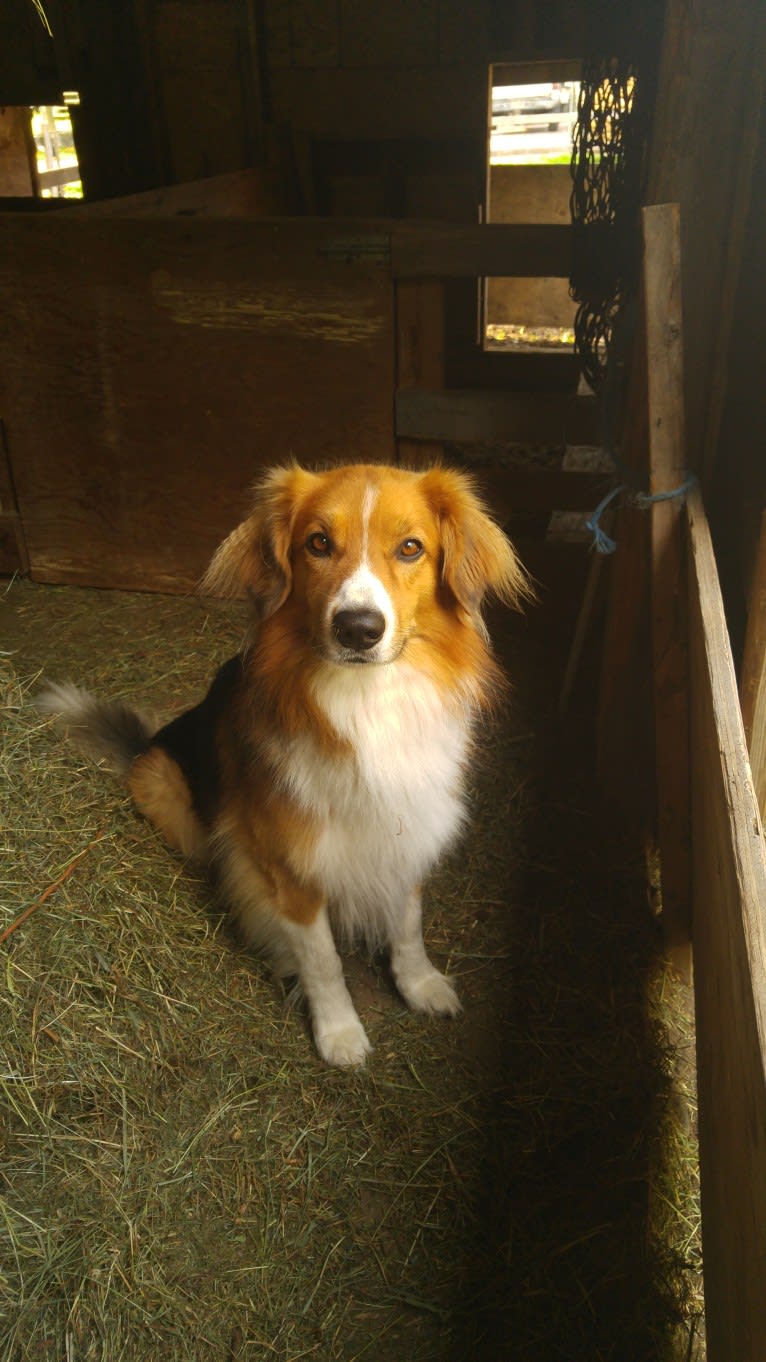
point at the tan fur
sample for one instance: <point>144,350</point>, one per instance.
<point>160,791</point>
<point>332,765</point>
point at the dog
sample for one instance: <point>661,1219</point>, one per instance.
<point>323,774</point>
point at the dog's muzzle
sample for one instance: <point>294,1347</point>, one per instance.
<point>358,630</point>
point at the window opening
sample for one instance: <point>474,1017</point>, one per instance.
<point>531,131</point>
<point>58,171</point>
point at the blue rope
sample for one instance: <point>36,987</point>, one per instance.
<point>602,542</point>
<point>644,500</point>
<point>618,350</point>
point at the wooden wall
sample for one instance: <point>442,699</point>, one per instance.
<point>384,105</point>
<point>150,368</point>
<point>17,153</point>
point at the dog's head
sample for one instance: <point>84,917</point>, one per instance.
<point>366,558</point>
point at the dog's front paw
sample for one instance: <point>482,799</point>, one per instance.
<point>345,1046</point>
<point>429,992</point>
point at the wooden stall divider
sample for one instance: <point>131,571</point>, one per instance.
<point>729,895</point>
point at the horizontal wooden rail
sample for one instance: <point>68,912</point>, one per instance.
<point>445,250</point>
<point>52,179</point>
<point>524,418</point>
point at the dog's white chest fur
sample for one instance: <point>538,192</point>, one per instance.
<point>390,806</point>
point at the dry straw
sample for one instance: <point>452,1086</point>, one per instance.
<point>182,1179</point>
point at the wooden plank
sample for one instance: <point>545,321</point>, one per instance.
<point>729,879</point>
<point>752,689</point>
<point>149,369</point>
<point>53,179</point>
<point>439,250</point>
<point>513,370</point>
<point>667,471</point>
<point>707,46</point>
<point>625,722</point>
<point>523,418</point>
<point>419,355</point>
<point>17,153</point>
<point>241,193</point>
<point>13,549</point>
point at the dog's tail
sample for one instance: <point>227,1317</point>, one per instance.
<point>104,729</point>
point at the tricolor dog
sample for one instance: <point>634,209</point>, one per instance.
<point>322,776</point>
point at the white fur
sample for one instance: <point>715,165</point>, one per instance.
<point>339,1034</point>
<point>362,590</point>
<point>386,811</point>
<point>389,808</point>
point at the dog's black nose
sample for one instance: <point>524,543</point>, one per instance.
<point>358,629</point>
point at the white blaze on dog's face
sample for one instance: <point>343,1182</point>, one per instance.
<point>366,562</point>
<point>365,554</point>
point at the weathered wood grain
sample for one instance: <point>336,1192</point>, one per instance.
<point>752,688</point>
<point>729,895</point>
<point>667,471</point>
<point>150,369</point>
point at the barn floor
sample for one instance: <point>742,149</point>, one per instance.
<point>181,1179</point>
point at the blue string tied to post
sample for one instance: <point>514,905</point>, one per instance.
<point>602,542</point>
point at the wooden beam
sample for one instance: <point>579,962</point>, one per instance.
<point>729,879</point>
<point>525,371</point>
<point>446,250</point>
<point>53,179</point>
<point>625,722</point>
<point>240,193</point>
<point>708,47</point>
<point>667,458</point>
<point>523,418</point>
<point>752,687</point>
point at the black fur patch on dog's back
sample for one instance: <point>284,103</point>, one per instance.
<point>191,740</point>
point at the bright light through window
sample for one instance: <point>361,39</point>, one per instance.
<point>58,173</point>
<point>532,124</point>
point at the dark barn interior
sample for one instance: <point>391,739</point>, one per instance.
<point>291,237</point>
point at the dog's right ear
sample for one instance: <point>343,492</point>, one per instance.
<point>255,558</point>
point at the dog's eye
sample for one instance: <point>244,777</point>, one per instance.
<point>409,549</point>
<point>318,544</point>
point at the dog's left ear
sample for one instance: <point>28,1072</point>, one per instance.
<point>255,558</point>
<point>477,559</point>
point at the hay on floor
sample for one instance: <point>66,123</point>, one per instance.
<point>182,1179</point>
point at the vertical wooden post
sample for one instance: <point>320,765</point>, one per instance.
<point>667,471</point>
<point>624,721</point>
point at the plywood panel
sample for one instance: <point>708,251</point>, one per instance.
<point>148,369</point>
<point>729,894</point>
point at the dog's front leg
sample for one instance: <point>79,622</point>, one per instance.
<point>339,1035</point>
<point>423,988</point>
